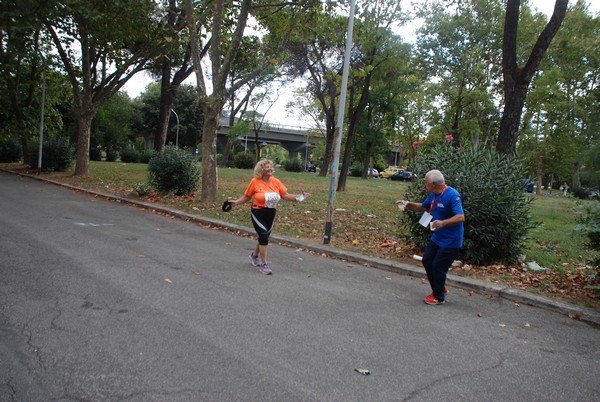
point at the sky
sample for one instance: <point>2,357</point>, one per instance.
<point>278,114</point>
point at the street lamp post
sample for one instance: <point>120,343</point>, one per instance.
<point>177,130</point>
<point>39,168</point>
<point>338,143</point>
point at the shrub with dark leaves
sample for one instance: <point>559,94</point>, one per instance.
<point>496,208</point>
<point>174,171</point>
<point>57,155</point>
<point>292,165</point>
<point>10,150</point>
<point>244,160</point>
<point>129,155</point>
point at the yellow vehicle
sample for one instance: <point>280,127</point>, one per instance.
<point>390,171</point>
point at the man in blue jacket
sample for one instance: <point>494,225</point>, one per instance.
<point>445,216</point>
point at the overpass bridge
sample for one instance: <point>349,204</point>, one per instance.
<point>293,139</point>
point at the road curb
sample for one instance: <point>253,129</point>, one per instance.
<point>583,314</point>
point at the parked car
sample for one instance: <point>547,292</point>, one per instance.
<point>375,172</point>
<point>311,168</point>
<point>592,193</point>
<point>403,176</point>
<point>390,170</point>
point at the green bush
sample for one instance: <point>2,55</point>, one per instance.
<point>96,153</point>
<point>146,155</point>
<point>57,155</point>
<point>244,160</point>
<point>292,165</point>
<point>174,171</point>
<point>112,155</point>
<point>10,150</point>
<point>496,209</point>
<point>130,155</point>
<point>589,225</point>
<point>356,169</point>
<point>580,192</point>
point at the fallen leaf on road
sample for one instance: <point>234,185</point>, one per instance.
<point>168,280</point>
<point>527,325</point>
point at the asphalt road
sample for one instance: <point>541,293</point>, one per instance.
<point>101,301</point>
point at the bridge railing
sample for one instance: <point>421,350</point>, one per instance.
<point>274,127</point>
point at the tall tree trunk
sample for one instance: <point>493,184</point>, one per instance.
<point>350,136</point>
<point>353,126</point>
<point>328,156</point>
<point>210,185</point>
<point>330,127</point>
<point>517,80</point>
<point>167,98</point>
<point>168,88</point>
<point>514,98</point>
<point>85,115</point>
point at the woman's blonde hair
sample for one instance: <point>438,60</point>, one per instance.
<point>260,167</point>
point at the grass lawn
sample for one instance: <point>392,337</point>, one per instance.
<point>367,221</point>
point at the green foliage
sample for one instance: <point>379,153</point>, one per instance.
<point>174,171</point>
<point>244,160</point>
<point>130,155</point>
<point>111,126</point>
<point>356,169</point>
<point>112,155</point>
<point>496,209</point>
<point>588,217</point>
<point>57,155</point>
<point>146,155</point>
<point>580,192</point>
<point>96,153</point>
<point>186,106</point>
<point>10,150</point>
<point>292,165</point>
<point>143,189</point>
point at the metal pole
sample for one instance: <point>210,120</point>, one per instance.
<point>177,130</point>
<point>340,122</point>
<point>39,169</point>
<point>306,153</point>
